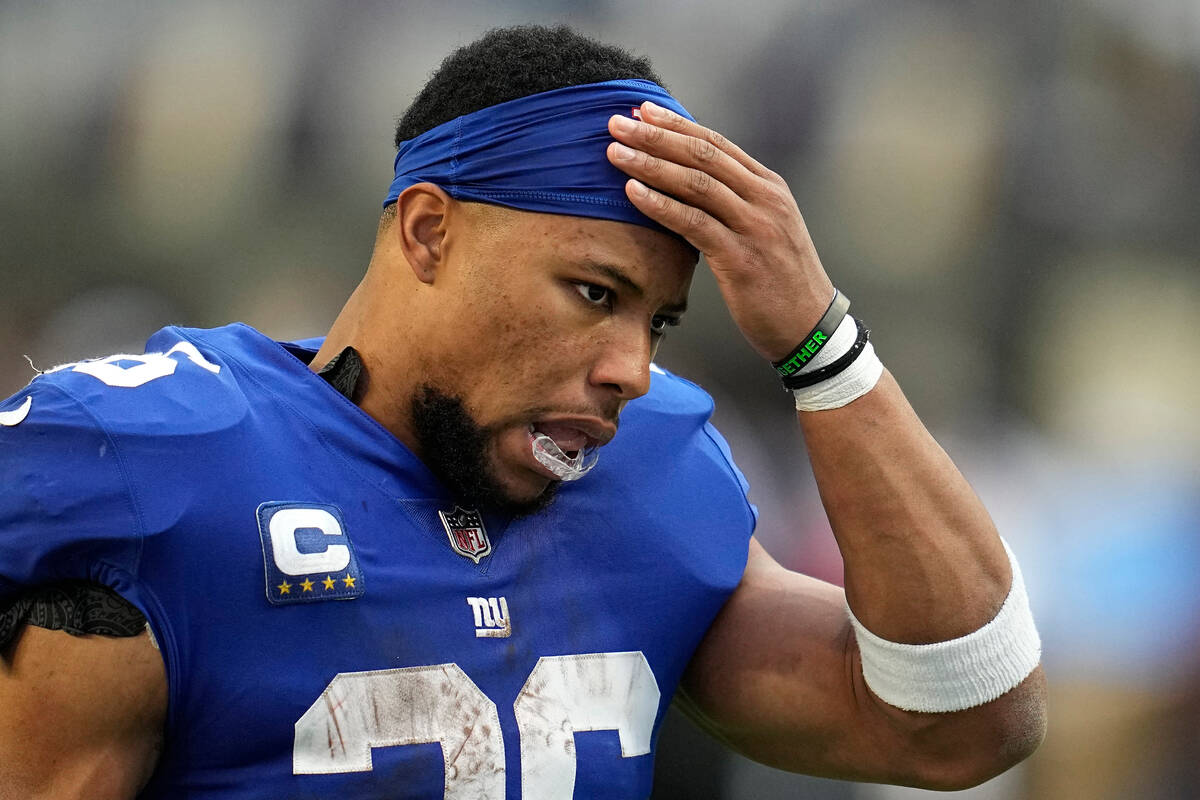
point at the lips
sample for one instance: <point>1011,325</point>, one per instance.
<point>577,433</point>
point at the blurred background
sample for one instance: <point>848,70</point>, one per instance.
<point>1008,191</point>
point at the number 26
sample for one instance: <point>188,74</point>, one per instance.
<point>415,705</point>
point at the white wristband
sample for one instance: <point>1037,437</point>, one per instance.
<point>960,673</point>
<point>849,384</point>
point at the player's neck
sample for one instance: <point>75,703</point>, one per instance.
<point>363,324</point>
<point>343,333</point>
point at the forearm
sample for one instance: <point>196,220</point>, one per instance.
<point>778,673</point>
<point>923,562</point>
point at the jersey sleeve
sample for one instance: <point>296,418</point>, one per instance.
<point>682,411</point>
<point>65,508</point>
<point>723,448</point>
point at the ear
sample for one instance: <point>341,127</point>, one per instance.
<point>420,227</point>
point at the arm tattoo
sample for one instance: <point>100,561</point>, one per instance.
<point>77,607</point>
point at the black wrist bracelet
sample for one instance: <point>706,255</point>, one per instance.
<point>834,367</point>
<point>817,339</point>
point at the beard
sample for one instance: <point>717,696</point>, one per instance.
<point>456,449</point>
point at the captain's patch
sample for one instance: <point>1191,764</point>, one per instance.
<point>307,553</point>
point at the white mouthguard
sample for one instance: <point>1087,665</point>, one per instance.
<point>551,456</point>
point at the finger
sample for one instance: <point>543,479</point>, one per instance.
<point>692,186</point>
<point>688,151</point>
<point>706,233</point>
<point>666,118</point>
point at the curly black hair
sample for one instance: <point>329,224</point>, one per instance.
<point>507,63</point>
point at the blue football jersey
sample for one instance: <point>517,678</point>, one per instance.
<point>333,625</point>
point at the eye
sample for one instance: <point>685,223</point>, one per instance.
<point>595,294</point>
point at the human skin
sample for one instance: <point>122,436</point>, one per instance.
<point>779,676</point>
<point>563,317</point>
<point>564,312</point>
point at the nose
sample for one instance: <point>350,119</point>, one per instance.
<point>622,362</point>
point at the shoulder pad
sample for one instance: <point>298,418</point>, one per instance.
<point>177,386</point>
<point>673,395</point>
<point>65,509</point>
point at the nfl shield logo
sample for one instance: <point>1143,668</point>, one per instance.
<point>466,532</point>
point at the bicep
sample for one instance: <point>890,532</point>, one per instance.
<point>80,716</point>
<point>778,677</point>
<point>774,676</point>
<point>772,665</point>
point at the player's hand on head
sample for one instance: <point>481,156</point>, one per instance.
<point>738,213</point>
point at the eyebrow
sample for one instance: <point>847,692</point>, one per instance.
<point>618,276</point>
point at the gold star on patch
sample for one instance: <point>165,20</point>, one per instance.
<point>306,585</point>
<point>285,588</point>
<point>329,583</point>
<point>349,581</point>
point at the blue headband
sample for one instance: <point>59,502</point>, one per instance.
<point>544,152</point>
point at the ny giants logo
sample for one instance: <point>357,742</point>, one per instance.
<point>491,617</point>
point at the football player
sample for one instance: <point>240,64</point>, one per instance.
<point>415,558</point>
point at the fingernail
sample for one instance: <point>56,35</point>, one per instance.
<point>621,152</point>
<point>652,107</point>
<point>623,124</point>
<point>638,188</point>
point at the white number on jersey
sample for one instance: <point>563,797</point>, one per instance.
<point>564,694</point>
<point>150,366</point>
<point>415,705</point>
